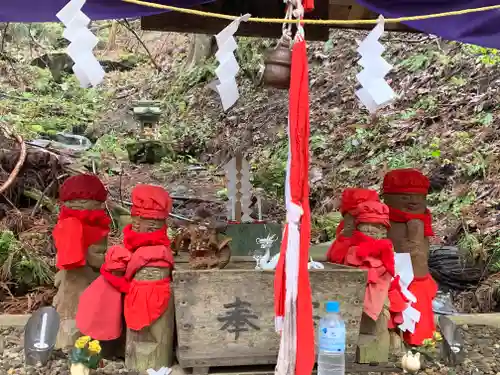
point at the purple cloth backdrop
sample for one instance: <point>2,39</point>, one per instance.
<point>45,10</point>
<point>477,28</point>
<point>482,28</point>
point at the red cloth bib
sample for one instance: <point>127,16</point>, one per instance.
<point>145,302</point>
<point>404,217</point>
<point>425,289</point>
<point>99,313</point>
<point>74,232</point>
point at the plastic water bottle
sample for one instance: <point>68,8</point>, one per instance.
<point>331,341</point>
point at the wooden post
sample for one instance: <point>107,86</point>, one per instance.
<point>239,164</point>
<point>239,187</point>
<point>373,343</point>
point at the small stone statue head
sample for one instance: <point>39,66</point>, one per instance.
<point>372,219</point>
<point>151,206</point>
<point>86,192</point>
<point>406,190</point>
<point>351,197</point>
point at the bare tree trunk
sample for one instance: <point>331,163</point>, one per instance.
<point>201,47</point>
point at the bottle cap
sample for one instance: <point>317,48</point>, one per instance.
<point>332,307</point>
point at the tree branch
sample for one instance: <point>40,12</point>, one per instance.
<point>131,29</point>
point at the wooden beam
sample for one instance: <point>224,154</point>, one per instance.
<point>324,9</point>
<point>186,23</point>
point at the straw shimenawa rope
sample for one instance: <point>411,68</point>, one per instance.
<point>310,21</point>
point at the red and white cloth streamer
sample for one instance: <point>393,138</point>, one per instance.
<point>293,301</point>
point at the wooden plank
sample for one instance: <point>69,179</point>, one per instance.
<point>269,369</point>
<point>332,9</point>
<point>203,303</point>
<point>351,10</point>
<point>187,23</point>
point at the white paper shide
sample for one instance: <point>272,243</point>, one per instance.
<point>87,69</point>
<point>228,67</point>
<point>375,93</point>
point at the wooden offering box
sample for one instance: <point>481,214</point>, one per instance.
<point>226,317</point>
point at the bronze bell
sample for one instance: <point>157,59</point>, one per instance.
<point>278,63</point>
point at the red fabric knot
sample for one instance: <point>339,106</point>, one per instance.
<point>83,186</point>
<point>351,197</point>
<point>151,202</point>
<point>74,232</point>
<point>399,216</point>
<point>377,257</point>
<point>381,249</point>
<point>372,212</point>
<point>405,181</point>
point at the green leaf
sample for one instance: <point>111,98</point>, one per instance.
<point>436,153</point>
<point>93,361</point>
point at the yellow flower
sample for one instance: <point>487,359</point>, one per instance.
<point>437,336</point>
<point>94,347</point>
<point>82,341</point>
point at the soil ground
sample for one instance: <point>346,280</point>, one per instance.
<point>482,349</point>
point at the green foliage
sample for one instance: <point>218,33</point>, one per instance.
<point>444,203</point>
<point>269,173</point>
<point>471,244</point>
<point>475,165</point>
<point>46,34</point>
<point>20,266</point>
<point>486,56</point>
<point>328,222</point>
<point>416,62</point>
<point>427,103</point>
<point>485,118</point>
<point>250,54</point>
<point>111,144</point>
<point>407,157</point>
<point>494,247</point>
<point>85,357</point>
<point>50,107</point>
<point>193,133</point>
<point>359,140</point>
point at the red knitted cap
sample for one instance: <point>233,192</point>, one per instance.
<point>372,212</point>
<point>83,186</point>
<point>351,197</point>
<point>151,202</point>
<point>401,181</point>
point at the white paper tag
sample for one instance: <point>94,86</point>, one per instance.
<point>376,66</point>
<point>228,92</point>
<point>162,371</point>
<point>87,69</point>
<point>375,92</point>
<point>228,47</point>
<point>228,69</point>
<point>69,11</point>
<point>230,30</point>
